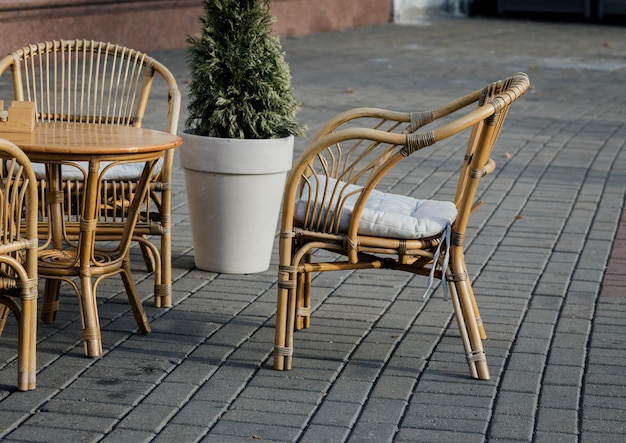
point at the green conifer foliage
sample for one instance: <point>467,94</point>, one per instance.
<point>240,82</point>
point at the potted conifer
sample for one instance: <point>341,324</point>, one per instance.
<point>239,137</point>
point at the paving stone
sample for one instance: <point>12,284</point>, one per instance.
<point>11,420</point>
<point>521,381</point>
<point>517,426</point>
<point>337,413</point>
<point>516,403</point>
<point>318,433</point>
<point>374,432</point>
<point>72,422</point>
<point>558,420</point>
<point>351,391</point>
<point>176,432</point>
<point>278,407</point>
<point>555,437</point>
<point>85,407</point>
<point>398,388</point>
<point>255,431</point>
<point>126,435</point>
<point>148,417</point>
<point>47,434</point>
<point>436,436</point>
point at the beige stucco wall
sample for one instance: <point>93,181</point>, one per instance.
<point>150,25</point>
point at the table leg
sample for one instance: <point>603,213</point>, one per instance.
<point>54,200</point>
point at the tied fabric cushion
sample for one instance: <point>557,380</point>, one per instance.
<point>121,172</point>
<point>384,214</point>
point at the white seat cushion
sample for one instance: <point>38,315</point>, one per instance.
<point>121,172</point>
<point>384,214</point>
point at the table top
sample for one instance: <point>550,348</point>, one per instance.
<point>86,140</point>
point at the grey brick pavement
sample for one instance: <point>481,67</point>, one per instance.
<point>380,363</point>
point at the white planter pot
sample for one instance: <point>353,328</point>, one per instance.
<point>234,193</point>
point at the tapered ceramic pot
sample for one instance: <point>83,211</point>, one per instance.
<point>234,193</point>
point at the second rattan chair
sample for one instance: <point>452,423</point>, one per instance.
<point>96,82</point>
<point>18,256</point>
<point>336,200</point>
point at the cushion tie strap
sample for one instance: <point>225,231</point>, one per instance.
<point>444,239</point>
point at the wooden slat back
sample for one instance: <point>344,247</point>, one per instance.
<point>89,81</point>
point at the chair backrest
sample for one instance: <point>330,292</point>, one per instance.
<point>354,153</point>
<point>89,81</point>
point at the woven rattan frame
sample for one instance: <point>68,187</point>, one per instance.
<point>18,256</point>
<point>99,82</point>
<point>351,153</point>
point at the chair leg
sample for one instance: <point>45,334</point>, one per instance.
<point>306,313</point>
<point>4,313</point>
<point>27,356</point>
<point>460,320</point>
<point>479,321</point>
<point>307,295</point>
<point>477,356</point>
<point>285,308</point>
<point>133,298</point>
<point>164,288</point>
<point>161,265</point>
<point>462,271</point>
<point>26,318</point>
<point>303,300</point>
<point>92,339</point>
<point>464,304</point>
<point>50,304</point>
<point>162,269</point>
<point>282,353</point>
<point>148,256</point>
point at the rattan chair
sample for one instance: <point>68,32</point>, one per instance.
<point>18,256</point>
<point>96,82</point>
<point>335,200</point>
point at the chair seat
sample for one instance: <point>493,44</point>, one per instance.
<point>121,172</point>
<point>384,214</point>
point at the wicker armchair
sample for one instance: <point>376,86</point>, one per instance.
<point>335,200</point>
<point>96,82</point>
<point>18,256</point>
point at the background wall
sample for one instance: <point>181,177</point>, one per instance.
<point>150,25</point>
